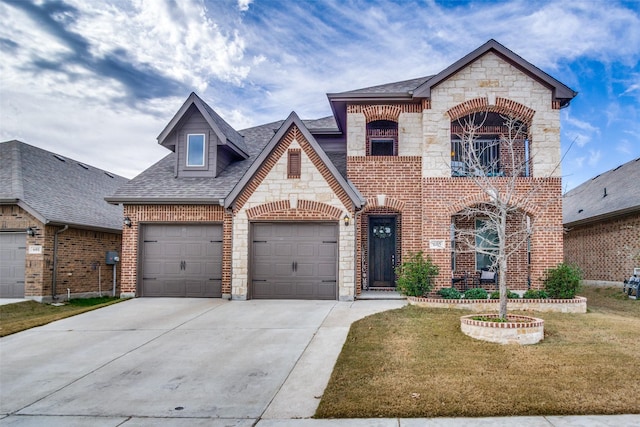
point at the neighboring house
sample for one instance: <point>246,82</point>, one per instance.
<point>602,221</point>
<point>55,226</point>
<point>323,209</point>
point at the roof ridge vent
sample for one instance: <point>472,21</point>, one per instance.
<point>109,175</point>
<point>59,157</point>
<point>83,166</point>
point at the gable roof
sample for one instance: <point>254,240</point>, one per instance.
<point>561,92</point>
<point>293,119</point>
<point>227,134</point>
<point>615,192</point>
<point>414,90</point>
<point>58,190</point>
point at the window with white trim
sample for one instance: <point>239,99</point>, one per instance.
<point>196,150</point>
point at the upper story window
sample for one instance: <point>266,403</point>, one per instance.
<point>489,144</point>
<point>382,138</point>
<point>195,150</point>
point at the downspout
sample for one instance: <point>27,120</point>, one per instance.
<point>55,262</point>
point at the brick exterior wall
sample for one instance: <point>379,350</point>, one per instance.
<point>146,214</point>
<point>605,250</point>
<point>81,258</point>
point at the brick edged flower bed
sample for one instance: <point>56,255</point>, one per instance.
<point>574,305</point>
<point>523,330</point>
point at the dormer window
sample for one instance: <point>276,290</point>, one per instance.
<point>195,150</point>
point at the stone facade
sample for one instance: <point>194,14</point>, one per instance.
<point>307,198</point>
<point>81,266</point>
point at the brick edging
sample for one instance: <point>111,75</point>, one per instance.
<point>531,322</point>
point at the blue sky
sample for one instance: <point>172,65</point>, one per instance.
<point>98,81</point>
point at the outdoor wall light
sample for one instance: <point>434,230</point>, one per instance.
<point>346,220</point>
<point>31,232</point>
<point>127,221</point>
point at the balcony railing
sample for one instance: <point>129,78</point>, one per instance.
<point>491,158</point>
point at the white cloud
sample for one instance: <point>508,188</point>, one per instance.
<point>624,147</point>
<point>243,5</point>
<point>594,157</point>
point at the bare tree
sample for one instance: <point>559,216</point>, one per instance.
<point>496,166</point>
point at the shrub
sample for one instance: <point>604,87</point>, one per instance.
<point>535,294</point>
<point>415,275</point>
<point>511,295</point>
<point>476,293</point>
<point>562,281</point>
<point>449,293</point>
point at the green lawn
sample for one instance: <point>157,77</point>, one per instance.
<point>29,314</point>
<point>415,362</point>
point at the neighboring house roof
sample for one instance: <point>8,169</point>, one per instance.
<point>228,135</point>
<point>58,190</point>
<point>615,192</point>
<point>293,119</point>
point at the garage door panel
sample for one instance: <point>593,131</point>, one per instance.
<point>306,249</point>
<point>283,249</point>
<point>262,269</point>
<point>326,270</point>
<point>13,247</point>
<point>282,230</point>
<point>213,250</point>
<point>294,260</point>
<point>306,269</point>
<point>283,269</point>
<point>181,260</point>
<point>328,250</point>
<point>261,249</point>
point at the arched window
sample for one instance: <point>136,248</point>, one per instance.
<point>382,138</point>
<point>489,144</point>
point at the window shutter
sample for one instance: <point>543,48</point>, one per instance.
<point>294,164</point>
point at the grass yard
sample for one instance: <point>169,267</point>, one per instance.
<point>29,314</point>
<point>415,362</point>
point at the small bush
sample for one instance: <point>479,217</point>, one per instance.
<point>449,293</point>
<point>415,276</point>
<point>510,295</point>
<point>476,293</point>
<point>535,294</point>
<point>563,281</point>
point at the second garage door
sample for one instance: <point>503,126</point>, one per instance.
<point>12,256</point>
<point>294,260</point>
<point>181,260</point>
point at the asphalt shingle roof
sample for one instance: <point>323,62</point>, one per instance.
<point>587,202</point>
<point>404,86</point>
<point>159,184</point>
<point>58,189</point>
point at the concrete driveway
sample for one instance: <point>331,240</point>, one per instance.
<point>161,361</point>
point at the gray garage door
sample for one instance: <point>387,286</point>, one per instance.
<point>13,247</point>
<point>294,260</point>
<point>181,260</point>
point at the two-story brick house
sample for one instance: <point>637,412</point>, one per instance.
<point>325,208</point>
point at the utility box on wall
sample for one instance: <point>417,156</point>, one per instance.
<point>112,258</point>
